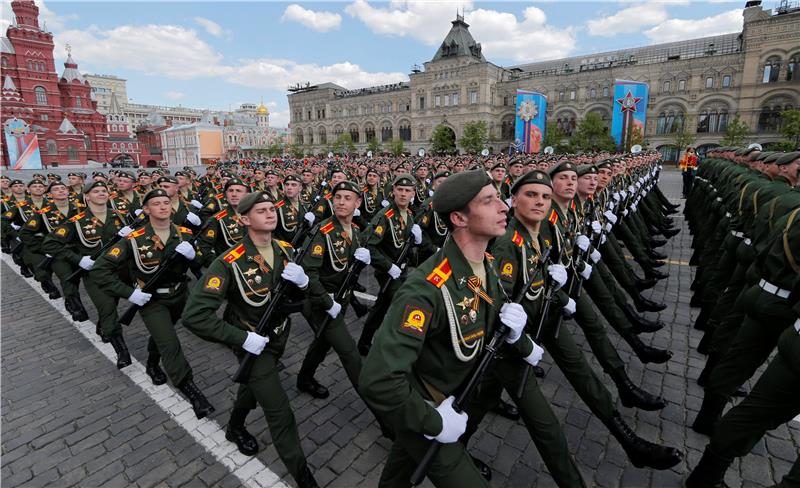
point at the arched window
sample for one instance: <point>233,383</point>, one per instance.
<point>605,91</point>
<point>507,130</point>
<point>113,127</point>
<point>726,81</point>
<point>72,153</point>
<point>113,146</point>
<point>405,131</point>
<point>354,134</point>
<point>566,122</point>
<point>52,148</point>
<point>681,85</point>
<point>670,121</point>
<point>41,95</point>
<point>710,82</point>
<point>323,137</point>
<point>772,69</point>
<point>386,133</point>
<point>369,132</point>
<point>78,102</point>
<point>593,93</point>
<point>30,65</point>
<point>769,120</point>
<point>669,153</point>
<point>791,68</point>
<point>4,62</point>
<point>300,137</point>
<point>665,87</point>
<point>712,119</point>
<point>310,136</point>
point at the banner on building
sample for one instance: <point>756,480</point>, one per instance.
<point>630,111</point>
<point>531,109</point>
<point>22,145</point>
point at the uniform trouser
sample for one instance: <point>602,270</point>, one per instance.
<point>159,316</point>
<point>334,336</point>
<point>772,402</point>
<point>535,410</point>
<point>688,181</point>
<point>32,259</point>
<point>378,311</point>
<point>106,305</point>
<point>633,244</point>
<point>767,317</point>
<point>712,282</point>
<point>452,466</point>
<point>63,269</point>
<point>618,268</point>
<point>602,295</point>
<point>596,336</point>
<point>264,389</point>
<point>608,279</point>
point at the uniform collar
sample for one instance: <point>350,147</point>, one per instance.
<point>462,270</point>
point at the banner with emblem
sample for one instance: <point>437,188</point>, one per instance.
<point>22,145</point>
<point>530,112</point>
<point>630,111</point>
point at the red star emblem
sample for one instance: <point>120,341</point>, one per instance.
<point>628,102</point>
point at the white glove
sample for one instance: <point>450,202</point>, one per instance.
<point>631,189</point>
<point>310,217</point>
<point>356,213</point>
<point>558,273</point>
<point>587,271</point>
<point>583,242</point>
<point>513,316</point>
<point>642,180</point>
<point>138,297</point>
<point>430,193</point>
<point>384,203</point>
<point>508,202</point>
<point>633,207</point>
<point>625,213</point>
<point>536,355</point>
<point>186,250</point>
<point>595,256</point>
<point>394,272</point>
<point>596,227</point>
<point>623,194</point>
<point>294,273</point>
<point>453,423</point>
<point>16,227</point>
<point>603,237</point>
<point>362,254</point>
<point>255,343</point>
<point>196,204</point>
<point>86,263</point>
<point>137,212</point>
<point>417,233</point>
<point>193,218</point>
<point>616,196</point>
<point>610,216</point>
<point>334,310</point>
<point>607,228</point>
<point>570,307</point>
<point>123,232</point>
<point>48,256</point>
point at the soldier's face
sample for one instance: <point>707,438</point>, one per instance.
<point>587,184</point>
<point>4,183</point>
<point>259,175</point>
<point>18,188</point>
<point>291,189</point>
<point>498,174</point>
<point>234,194</point>
<point>184,181</point>
<point>261,218</point>
<point>144,180</point>
<point>372,179</point>
<point>436,182</point>
<point>170,188</point>
<point>790,171</point>
<point>74,180</point>
<point>516,170</point>
<point>272,180</point>
<point>459,167</point>
<point>422,172</point>
<point>345,202</point>
<point>337,178</point>
<point>98,195</point>
<point>308,176</point>
<point>532,202</point>
<point>124,184</point>
<point>403,195</point>
<point>362,171</point>
<point>487,214</point>
<point>604,176</point>
<point>37,190</point>
<point>59,192</point>
<point>564,184</point>
<point>159,208</point>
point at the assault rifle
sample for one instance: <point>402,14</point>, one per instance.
<point>141,221</point>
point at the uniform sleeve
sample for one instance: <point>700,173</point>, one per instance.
<point>384,380</point>
<point>28,231</point>
<point>59,244</point>
<point>312,265</point>
<point>504,252</point>
<point>105,271</point>
<point>205,243</point>
<point>208,296</point>
<point>379,260</point>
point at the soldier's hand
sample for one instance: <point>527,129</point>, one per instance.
<point>394,272</point>
<point>595,256</point>
<point>417,233</point>
<point>615,195</point>
<point>186,250</point>
<point>255,343</point>
<point>603,237</point>
<point>586,272</point>
<point>384,203</point>
<point>513,316</point>
<point>608,214</point>
<point>15,226</point>
<point>310,217</point>
<point>139,297</point>
<point>294,273</point>
<point>193,218</point>
<point>334,310</point>
<point>356,213</point>
<point>137,212</point>
<point>596,227</point>
<point>454,424</point>
<point>362,254</point>
<point>196,204</point>
<point>536,355</point>
<point>583,242</point>
<point>123,232</point>
<point>558,273</point>
<point>569,308</point>
<point>86,263</point>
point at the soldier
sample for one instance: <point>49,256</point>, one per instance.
<point>423,352</point>
<point>434,230</point>
<point>272,188</point>
<point>22,208</point>
<point>182,211</point>
<point>227,231</point>
<point>371,201</point>
<point>324,207</point>
<point>124,199</point>
<point>498,172</point>
<point>245,276</point>
<point>290,209</point>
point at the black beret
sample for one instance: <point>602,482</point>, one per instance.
<point>346,185</point>
<point>442,174</point>
<point>158,192</point>
<point>788,158</point>
<point>93,184</point>
<point>515,162</point>
<point>126,174</point>
<point>167,179</point>
<point>498,164</point>
<point>561,167</point>
<point>251,200</point>
<point>16,182</point>
<point>182,173</point>
<point>75,174</point>
<point>404,180</point>
<point>291,177</point>
<point>586,169</point>
<point>271,172</point>
<point>36,181</point>
<point>38,176</point>
<point>607,164</point>
<point>458,190</point>
<point>371,170</point>
<point>234,181</point>
<point>56,183</point>
<point>98,173</point>
<point>534,176</point>
<point>226,174</point>
<point>4,177</point>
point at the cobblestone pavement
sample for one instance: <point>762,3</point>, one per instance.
<point>70,418</point>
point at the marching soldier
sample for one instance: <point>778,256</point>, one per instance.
<point>124,200</point>
<point>227,231</point>
<point>372,199</point>
<point>290,209</point>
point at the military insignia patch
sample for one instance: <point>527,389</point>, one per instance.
<point>507,270</point>
<point>115,252</point>
<point>424,220</point>
<point>379,230</point>
<point>32,223</point>
<point>61,231</point>
<point>415,321</point>
<point>317,250</point>
<point>213,284</point>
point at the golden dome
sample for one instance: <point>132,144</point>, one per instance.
<point>262,109</point>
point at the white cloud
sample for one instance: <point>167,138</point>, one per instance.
<point>628,20</point>
<point>47,17</point>
<point>174,95</point>
<point>279,118</point>
<point>319,21</point>
<point>212,27</point>
<point>422,20</point>
<point>280,73</point>
<point>681,29</point>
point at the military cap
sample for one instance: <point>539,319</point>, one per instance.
<point>51,175</point>
<point>371,170</point>
<point>166,179</point>
<point>83,175</point>
<point>561,167</point>
<point>291,177</point>
<point>158,192</point>
<point>98,173</point>
<point>754,155</point>
<point>36,181</point>
<point>37,176</point>
<point>271,172</point>
<point>764,155</point>
<point>788,158</point>
<point>182,173</point>
<point>16,182</point>
<point>337,169</point>
<point>75,174</point>
<point>606,164</point>
<point>4,177</point>
<point>498,164</point>
<point>251,200</point>
<point>55,183</point>
<point>442,174</point>
<point>56,177</point>
<point>403,180</point>
<point>232,182</point>
<point>226,174</point>
<point>346,185</point>
<point>772,157</point>
<point>534,176</point>
<point>515,162</point>
<point>458,190</point>
<point>93,184</point>
<point>586,169</point>
<point>127,174</point>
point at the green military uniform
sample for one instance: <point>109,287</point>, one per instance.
<point>290,214</point>
<point>223,233</point>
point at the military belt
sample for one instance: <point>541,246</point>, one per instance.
<point>169,290</point>
<point>773,290</point>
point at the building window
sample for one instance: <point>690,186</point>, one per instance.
<point>45,117</point>
<point>446,100</point>
<point>665,87</point>
<point>561,96</point>
<point>681,85</point>
<point>354,134</point>
<point>669,122</point>
<point>455,98</point>
<point>41,95</point>
<point>507,130</point>
<point>572,94</point>
<point>772,69</point>
<point>473,97</point>
<point>605,91</point>
<point>113,146</point>
<point>30,65</point>
<point>566,123</point>
<point>386,134</point>
<point>726,81</point>
<point>405,133</point>
<point>51,147</point>
<point>437,101</point>
<point>710,82</point>
<point>791,68</point>
<point>505,100</point>
<point>593,93</point>
<point>769,120</point>
<point>78,102</point>
<point>4,62</point>
<point>712,120</point>
<point>422,103</point>
<point>72,153</point>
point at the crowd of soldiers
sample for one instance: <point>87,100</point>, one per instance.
<point>478,262</point>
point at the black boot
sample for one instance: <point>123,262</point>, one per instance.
<point>305,479</point>
<point>656,242</point>
<point>646,354</point>
<point>708,416</point>
<point>25,271</point>
<point>704,346</point>
<point>507,410</point>
<point>236,433</point>
<point>123,356</point>
<point>200,404</point>
<point>640,323</point>
<point>654,273</point>
<point>646,305</point>
<point>77,311</point>
<point>702,320</point>
<point>643,453</point>
<point>312,387</point>
<point>644,284</point>
<point>633,396</point>
<point>154,371</point>
<point>656,255</point>
<point>709,472</point>
<point>668,233</point>
<point>711,362</point>
<point>484,468</point>
<point>50,288</point>
<point>657,264</point>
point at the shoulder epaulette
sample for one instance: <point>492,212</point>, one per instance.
<point>21,203</point>
<point>234,254</point>
<point>43,210</point>
<point>77,217</point>
<point>221,214</point>
<point>138,232</point>
<point>553,218</point>
<point>284,244</point>
<point>327,228</point>
<point>185,230</point>
<point>219,195</point>
<point>390,213</point>
<point>572,205</point>
<point>518,239</point>
<point>113,194</point>
<point>328,196</point>
<point>440,274</point>
<point>280,203</point>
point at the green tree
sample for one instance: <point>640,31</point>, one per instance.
<point>374,146</point>
<point>790,128</point>
<point>475,136</point>
<point>396,147</point>
<point>636,137</point>
<point>736,134</point>
<point>682,137</point>
<point>296,150</point>
<point>553,136</point>
<point>443,140</point>
<point>591,135</point>
<point>344,144</point>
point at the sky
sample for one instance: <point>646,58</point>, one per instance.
<point>216,55</point>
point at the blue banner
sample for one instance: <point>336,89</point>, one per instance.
<point>22,145</point>
<point>630,111</point>
<point>531,109</point>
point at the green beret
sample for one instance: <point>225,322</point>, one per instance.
<point>442,174</point>
<point>251,200</point>
<point>292,177</point>
<point>182,173</point>
<point>586,169</point>
<point>16,182</point>
<point>458,190</point>
<point>606,164</point>
<point>126,174</point>
<point>158,192</point>
<point>167,179</point>
<point>563,166</point>
<point>337,169</point>
<point>93,184</point>
<point>373,171</point>
<point>403,180</point>
<point>533,176</point>
<point>234,181</point>
<point>56,183</point>
<point>515,162</point>
<point>788,158</point>
<point>498,164</point>
<point>271,172</point>
<point>36,181</point>
<point>346,185</point>
<point>764,155</point>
